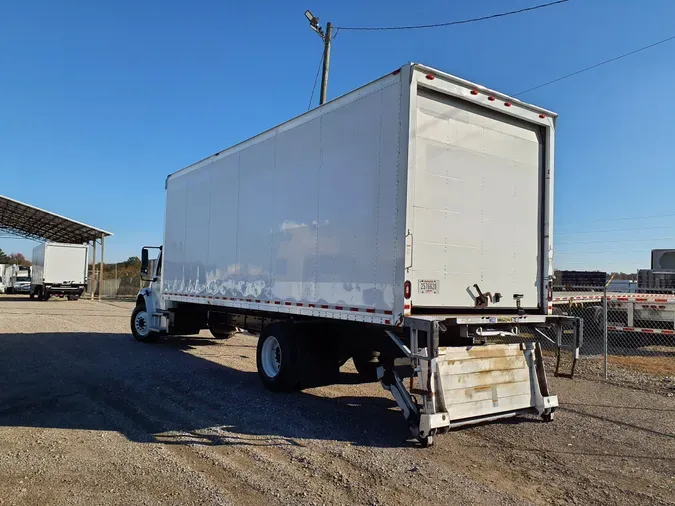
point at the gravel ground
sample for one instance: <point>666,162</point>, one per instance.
<point>89,416</point>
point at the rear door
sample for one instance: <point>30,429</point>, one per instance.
<point>477,203</point>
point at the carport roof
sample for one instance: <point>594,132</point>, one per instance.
<point>34,223</point>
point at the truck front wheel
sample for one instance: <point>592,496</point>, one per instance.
<point>277,357</point>
<point>140,325</point>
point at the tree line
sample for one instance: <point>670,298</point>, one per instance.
<point>130,268</point>
<point>13,259</point>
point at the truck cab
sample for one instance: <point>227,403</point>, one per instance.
<point>21,279</point>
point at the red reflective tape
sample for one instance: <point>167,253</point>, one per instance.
<point>388,312</point>
<point>370,310</point>
<point>287,303</point>
<point>628,329</point>
<point>277,302</point>
<point>648,331</point>
<point>298,304</point>
<point>668,331</point>
<point>407,306</point>
<point>257,301</point>
<point>324,306</point>
<point>387,322</point>
<point>660,300</point>
<point>355,309</point>
<point>311,305</point>
<point>249,300</point>
<point>339,308</point>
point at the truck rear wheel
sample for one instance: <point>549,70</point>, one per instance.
<point>140,325</point>
<point>277,357</point>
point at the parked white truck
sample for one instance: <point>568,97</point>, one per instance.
<point>406,225</point>
<point>59,269</point>
<point>19,281</point>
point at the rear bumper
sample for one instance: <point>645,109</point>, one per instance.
<point>65,289</point>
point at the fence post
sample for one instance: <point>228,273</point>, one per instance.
<point>605,318</point>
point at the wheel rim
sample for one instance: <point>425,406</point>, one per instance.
<point>271,356</point>
<point>141,323</point>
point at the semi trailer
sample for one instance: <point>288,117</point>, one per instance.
<point>406,225</point>
<point>59,269</point>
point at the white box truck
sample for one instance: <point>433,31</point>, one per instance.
<point>59,269</point>
<point>19,281</point>
<point>3,284</point>
<point>406,225</point>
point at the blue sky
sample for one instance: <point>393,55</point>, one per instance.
<point>101,101</point>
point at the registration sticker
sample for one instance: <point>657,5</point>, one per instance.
<point>428,286</point>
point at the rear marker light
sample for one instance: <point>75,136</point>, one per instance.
<point>491,99</point>
<point>542,116</point>
<point>430,77</point>
<point>407,289</point>
<point>507,104</point>
<point>474,92</point>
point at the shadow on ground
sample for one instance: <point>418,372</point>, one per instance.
<point>153,393</point>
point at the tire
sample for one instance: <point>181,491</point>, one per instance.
<point>139,325</point>
<point>366,365</point>
<point>222,331</point>
<point>277,357</point>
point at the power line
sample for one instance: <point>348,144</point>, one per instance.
<point>618,241</point>
<point>595,66</point>
<point>558,253</point>
<point>450,23</point>
<point>613,230</point>
<point>316,78</point>
<point>620,219</point>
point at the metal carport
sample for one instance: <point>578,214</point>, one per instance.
<point>37,224</point>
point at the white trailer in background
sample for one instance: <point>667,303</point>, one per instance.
<point>59,269</point>
<point>3,285</point>
<point>406,225</point>
<point>6,271</point>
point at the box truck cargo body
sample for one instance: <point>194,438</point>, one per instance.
<point>59,269</point>
<point>420,203</point>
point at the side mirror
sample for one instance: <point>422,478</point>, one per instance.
<point>144,262</point>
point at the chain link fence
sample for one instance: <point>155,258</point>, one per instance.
<point>118,288</point>
<point>627,336</point>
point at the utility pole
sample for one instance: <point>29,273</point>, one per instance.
<point>326,38</point>
<point>326,63</point>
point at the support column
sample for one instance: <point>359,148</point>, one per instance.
<point>100,274</point>
<point>93,271</point>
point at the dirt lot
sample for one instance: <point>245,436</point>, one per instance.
<point>88,416</point>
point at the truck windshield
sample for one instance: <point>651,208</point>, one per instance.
<point>23,278</point>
